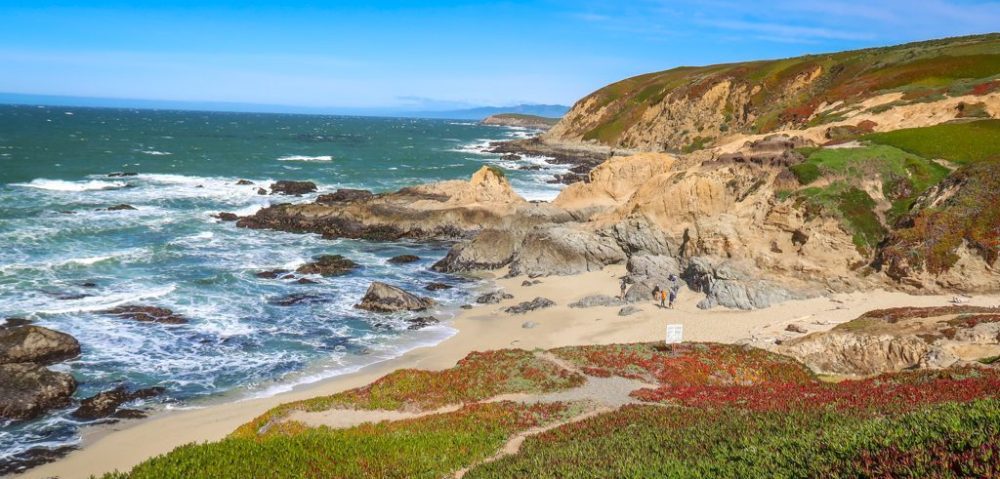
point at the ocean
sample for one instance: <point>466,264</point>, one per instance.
<point>64,257</point>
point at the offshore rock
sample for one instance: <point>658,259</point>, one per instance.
<point>35,344</point>
<point>383,298</point>
<point>28,390</point>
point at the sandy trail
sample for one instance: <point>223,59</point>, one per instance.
<point>124,445</point>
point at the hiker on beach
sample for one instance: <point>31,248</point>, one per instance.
<point>675,286</point>
<point>624,286</point>
<point>656,292</point>
<point>663,298</point>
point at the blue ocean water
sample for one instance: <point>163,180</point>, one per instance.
<point>56,236</point>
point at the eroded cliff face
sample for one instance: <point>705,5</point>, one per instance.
<point>690,108</point>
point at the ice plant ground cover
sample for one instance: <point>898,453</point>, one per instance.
<point>718,411</point>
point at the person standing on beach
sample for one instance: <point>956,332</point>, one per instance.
<point>624,286</point>
<point>663,298</point>
<point>675,286</point>
<point>656,293</point>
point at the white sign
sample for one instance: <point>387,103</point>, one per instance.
<point>675,333</point>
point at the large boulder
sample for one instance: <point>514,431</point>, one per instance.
<point>562,250</point>
<point>732,285</point>
<point>328,265</point>
<point>596,300</point>
<point>27,390</point>
<point>384,298</point>
<point>490,249</point>
<point>107,403</point>
<point>35,344</point>
<point>646,272</point>
<point>639,237</point>
<point>285,187</point>
<point>528,306</point>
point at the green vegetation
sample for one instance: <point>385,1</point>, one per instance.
<point>855,209</point>
<point>962,143</point>
<point>941,441</point>
<point>967,214</point>
<point>789,91</point>
<point>477,377</point>
<point>718,411</point>
<point>426,447</point>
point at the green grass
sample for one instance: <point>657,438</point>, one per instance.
<point>942,441</point>
<point>427,447</point>
<point>853,207</point>
<point>962,143</point>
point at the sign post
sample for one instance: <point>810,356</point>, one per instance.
<point>675,333</point>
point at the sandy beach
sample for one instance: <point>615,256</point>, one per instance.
<point>123,445</point>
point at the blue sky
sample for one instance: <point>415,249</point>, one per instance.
<point>426,54</point>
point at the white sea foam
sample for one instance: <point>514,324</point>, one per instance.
<point>98,303</point>
<point>155,153</point>
<point>62,185</point>
<point>306,158</point>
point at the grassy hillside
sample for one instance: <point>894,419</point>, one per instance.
<point>762,96</point>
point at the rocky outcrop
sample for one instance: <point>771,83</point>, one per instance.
<point>528,306</point>
<point>226,216</point>
<point>596,300</point>
<point>612,183</point>
<point>649,272</point>
<point>344,195</point>
<point>121,207</point>
<point>520,120</point>
<point>27,390</point>
<point>328,265</point>
<point>35,344</point>
<point>902,338</point>
<point>732,285</point>
<point>107,403</point>
<point>447,210</point>
<point>437,286</point>
<point>493,297</point>
<point>563,250</point>
<point>294,188</point>
<point>146,314</point>
<point>491,249</point>
<point>384,298</point>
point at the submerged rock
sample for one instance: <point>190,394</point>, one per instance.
<point>15,322</point>
<point>328,265</point>
<point>493,297</point>
<point>35,344</point>
<point>146,314</point>
<point>403,259</point>
<point>437,286</point>
<point>272,273</point>
<point>120,174</point>
<point>121,207</point>
<point>422,322</point>
<point>537,303</point>
<point>244,183</point>
<point>226,216</point>
<point>106,403</point>
<point>28,390</point>
<point>384,298</point>
<point>298,298</point>
<point>344,195</point>
<point>285,187</point>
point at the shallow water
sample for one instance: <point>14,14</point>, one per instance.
<point>56,236</point>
